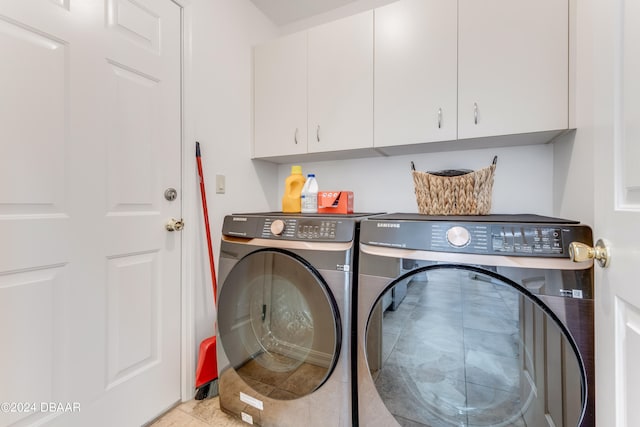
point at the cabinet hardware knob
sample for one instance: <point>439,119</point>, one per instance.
<point>439,118</point>
<point>475,113</point>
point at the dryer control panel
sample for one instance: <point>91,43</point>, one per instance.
<point>508,238</point>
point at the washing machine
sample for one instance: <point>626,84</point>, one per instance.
<point>494,327</point>
<point>284,318</point>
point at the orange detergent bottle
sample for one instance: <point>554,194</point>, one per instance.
<point>292,190</point>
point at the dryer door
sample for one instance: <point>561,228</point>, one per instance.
<point>467,346</point>
<point>279,324</point>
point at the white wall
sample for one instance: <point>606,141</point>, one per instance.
<point>573,153</point>
<point>523,180</point>
<point>219,116</point>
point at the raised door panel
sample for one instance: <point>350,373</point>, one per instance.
<point>512,67</point>
<point>415,72</point>
<point>341,84</point>
<point>280,97</point>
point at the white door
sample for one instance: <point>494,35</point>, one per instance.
<point>616,134</point>
<point>89,276</point>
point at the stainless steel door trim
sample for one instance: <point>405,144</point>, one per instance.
<point>492,260</point>
<point>291,244</point>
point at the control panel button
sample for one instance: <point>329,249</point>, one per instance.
<point>277,227</point>
<point>458,236</point>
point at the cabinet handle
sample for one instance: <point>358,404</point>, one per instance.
<point>318,133</point>
<point>439,118</point>
<point>475,113</point>
<point>295,136</point>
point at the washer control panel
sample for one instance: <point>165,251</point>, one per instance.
<point>298,228</point>
<point>519,239</point>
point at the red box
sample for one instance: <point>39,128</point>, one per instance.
<point>335,202</point>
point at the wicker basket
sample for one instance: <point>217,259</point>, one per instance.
<point>467,194</point>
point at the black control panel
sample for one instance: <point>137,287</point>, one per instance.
<point>302,228</point>
<point>287,227</point>
<point>528,240</point>
<point>504,238</point>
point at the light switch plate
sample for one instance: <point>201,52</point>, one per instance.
<point>220,184</point>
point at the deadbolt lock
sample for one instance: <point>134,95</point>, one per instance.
<point>170,194</point>
<point>175,224</point>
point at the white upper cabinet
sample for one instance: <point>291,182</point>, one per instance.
<point>483,72</point>
<point>415,72</point>
<point>512,67</point>
<point>340,85</point>
<point>280,97</point>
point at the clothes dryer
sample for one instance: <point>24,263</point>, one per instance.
<point>495,327</point>
<point>284,318</point>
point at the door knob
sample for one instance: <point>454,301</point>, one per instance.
<point>579,252</point>
<point>175,224</point>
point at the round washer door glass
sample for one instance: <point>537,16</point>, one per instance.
<point>279,324</point>
<point>465,348</point>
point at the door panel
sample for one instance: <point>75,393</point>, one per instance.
<point>132,315</point>
<point>35,118</point>
<point>135,22</point>
<point>132,154</point>
<point>614,132</point>
<point>89,277</point>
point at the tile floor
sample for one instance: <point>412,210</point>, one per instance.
<point>197,413</point>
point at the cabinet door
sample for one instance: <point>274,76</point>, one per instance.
<point>415,72</point>
<point>341,84</point>
<point>512,67</point>
<point>280,96</point>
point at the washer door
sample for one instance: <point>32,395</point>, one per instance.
<point>467,347</point>
<point>279,324</point>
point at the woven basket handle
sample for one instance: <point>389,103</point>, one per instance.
<point>495,162</point>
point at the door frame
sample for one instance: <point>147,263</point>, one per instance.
<point>188,199</point>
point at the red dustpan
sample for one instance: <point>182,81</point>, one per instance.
<point>207,370</point>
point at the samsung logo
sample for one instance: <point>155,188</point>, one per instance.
<point>239,218</point>
<point>387,225</point>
